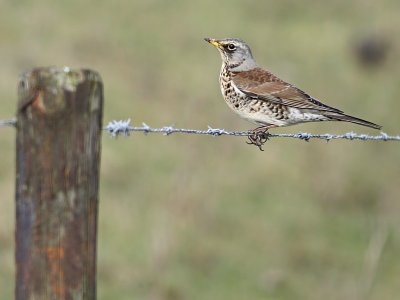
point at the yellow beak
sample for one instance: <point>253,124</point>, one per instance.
<point>213,42</point>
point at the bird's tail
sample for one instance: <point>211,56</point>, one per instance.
<point>347,118</point>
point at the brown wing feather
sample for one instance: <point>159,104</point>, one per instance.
<point>261,84</point>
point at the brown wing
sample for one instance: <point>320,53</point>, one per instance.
<point>261,84</point>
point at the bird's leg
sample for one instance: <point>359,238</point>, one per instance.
<point>259,136</point>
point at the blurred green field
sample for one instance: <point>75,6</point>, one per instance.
<point>198,217</point>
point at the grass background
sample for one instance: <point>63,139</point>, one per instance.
<point>190,217</point>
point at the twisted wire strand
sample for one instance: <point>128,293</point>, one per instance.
<point>8,123</point>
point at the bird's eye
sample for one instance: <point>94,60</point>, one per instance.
<point>231,47</point>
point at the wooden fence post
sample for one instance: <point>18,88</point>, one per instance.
<point>59,124</point>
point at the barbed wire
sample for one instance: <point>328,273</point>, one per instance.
<point>123,127</point>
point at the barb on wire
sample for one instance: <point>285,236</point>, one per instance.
<point>123,127</point>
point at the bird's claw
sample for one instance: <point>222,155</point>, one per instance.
<point>258,138</point>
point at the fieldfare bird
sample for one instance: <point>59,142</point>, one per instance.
<point>260,97</point>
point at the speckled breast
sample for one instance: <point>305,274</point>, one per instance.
<point>232,97</point>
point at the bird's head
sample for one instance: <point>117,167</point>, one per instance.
<point>234,53</point>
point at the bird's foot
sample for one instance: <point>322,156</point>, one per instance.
<point>258,137</point>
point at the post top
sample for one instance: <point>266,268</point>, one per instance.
<point>53,80</point>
